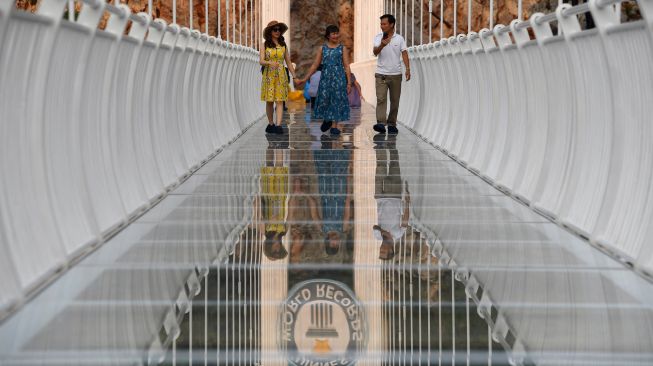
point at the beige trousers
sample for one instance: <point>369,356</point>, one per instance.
<point>385,83</point>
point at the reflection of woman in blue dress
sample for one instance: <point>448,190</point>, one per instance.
<point>332,104</point>
<point>333,169</point>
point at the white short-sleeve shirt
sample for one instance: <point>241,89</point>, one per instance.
<point>389,212</point>
<point>389,60</point>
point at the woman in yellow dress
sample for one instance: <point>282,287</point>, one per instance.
<point>274,88</point>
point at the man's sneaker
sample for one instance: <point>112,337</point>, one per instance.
<point>278,130</point>
<point>326,125</point>
<point>379,127</point>
<point>270,129</point>
<point>379,140</point>
<point>392,130</point>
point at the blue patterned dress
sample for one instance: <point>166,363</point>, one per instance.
<point>332,103</point>
<point>332,167</point>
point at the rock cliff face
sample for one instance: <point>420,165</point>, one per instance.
<point>504,12</point>
<point>309,18</point>
<point>163,9</point>
<point>308,21</point>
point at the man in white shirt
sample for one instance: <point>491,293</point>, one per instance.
<point>390,48</point>
<point>392,204</point>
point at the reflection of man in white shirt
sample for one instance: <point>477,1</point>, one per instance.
<point>392,205</point>
<point>390,48</point>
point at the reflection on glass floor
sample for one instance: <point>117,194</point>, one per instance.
<point>304,249</point>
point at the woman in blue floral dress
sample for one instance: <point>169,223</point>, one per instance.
<point>332,104</point>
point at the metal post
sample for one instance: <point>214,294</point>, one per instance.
<point>455,17</point>
<point>421,19</point>
<point>174,351</point>
<point>190,333</point>
<point>71,10</point>
<point>410,273</point>
<point>398,15</point>
<point>468,333</point>
<point>241,298</point>
<point>405,18</point>
<point>240,22</point>
<point>390,309</point>
<point>491,14</point>
<point>403,272</point>
<point>219,24</point>
<point>226,13</point>
<point>217,305</point>
<point>419,287</point>
<point>228,305</point>
<point>246,43</point>
<point>453,317</point>
<point>428,299</point>
<point>255,22</point>
<point>442,18</point>
<point>233,22</point>
<point>440,308</point>
<point>206,303</point>
<point>233,287</point>
<point>149,8</point>
<point>174,11</point>
<point>430,21</point>
<point>469,16</point>
<point>489,343</point>
<point>519,9</point>
<point>412,23</point>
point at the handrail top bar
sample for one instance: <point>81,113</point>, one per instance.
<point>122,10</point>
<point>501,29</point>
<point>173,28</point>
<point>158,24</point>
<point>523,25</point>
<point>604,3</point>
<point>115,10</point>
<point>93,3</point>
<point>576,10</point>
<point>546,19</point>
<point>140,18</point>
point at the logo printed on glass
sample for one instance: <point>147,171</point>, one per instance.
<point>322,323</point>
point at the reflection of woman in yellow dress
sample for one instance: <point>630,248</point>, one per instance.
<point>274,87</point>
<point>274,191</point>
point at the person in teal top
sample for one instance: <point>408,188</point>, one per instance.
<point>332,103</point>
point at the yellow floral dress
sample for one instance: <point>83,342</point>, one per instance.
<point>274,87</point>
<point>274,188</point>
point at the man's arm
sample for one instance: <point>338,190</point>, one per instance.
<point>378,48</point>
<point>405,217</point>
<point>404,56</point>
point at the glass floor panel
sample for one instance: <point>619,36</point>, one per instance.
<point>306,249</point>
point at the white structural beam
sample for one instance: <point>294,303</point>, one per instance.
<point>278,10</point>
<point>366,26</point>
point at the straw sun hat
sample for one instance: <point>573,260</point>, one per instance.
<point>268,30</point>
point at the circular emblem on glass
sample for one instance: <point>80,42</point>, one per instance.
<point>322,323</point>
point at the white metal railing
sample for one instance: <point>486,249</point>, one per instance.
<point>96,126</point>
<point>561,122</point>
